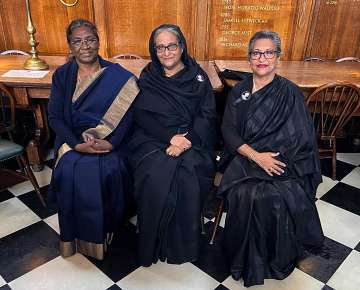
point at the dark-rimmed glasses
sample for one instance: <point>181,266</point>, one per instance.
<point>170,47</point>
<point>269,54</point>
<point>78,42</point>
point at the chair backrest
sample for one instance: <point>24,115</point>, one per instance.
<point>332,106</point>
<point>349,58</point>
<point>14,52</point>
<point>313,59</point>
<point>7,110</point>
<point>127,56</point>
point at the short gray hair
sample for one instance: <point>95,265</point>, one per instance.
<point>168,28</point>
<point>273,36</point>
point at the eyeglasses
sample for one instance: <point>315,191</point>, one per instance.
<point>87,41</point>
<point>269,54</point>
<point>171,47</point>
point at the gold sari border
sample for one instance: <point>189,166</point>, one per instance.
<point>62,150</point>
<point>82,85</point>
<point>68,249</point>
<point>116,111</point>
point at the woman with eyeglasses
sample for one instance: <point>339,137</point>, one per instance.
<point>172,150</point>
<point>269,186</point>
<point>89,113</point>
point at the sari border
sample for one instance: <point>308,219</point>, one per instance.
<point>82,85</point>
<point>116,111</point>
<point>64,148</point>
<point>94,250</point>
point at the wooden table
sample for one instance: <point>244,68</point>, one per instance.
<point>307,75</point>
<point>33,92</point>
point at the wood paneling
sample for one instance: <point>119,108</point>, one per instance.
<point>335,29</point>
<point>215,29</point>
<point>50,19</point>
<point>131,22</point>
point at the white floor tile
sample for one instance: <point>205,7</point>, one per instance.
<point>297,280</point>
<point>353,178</point>
<point>2,281</point>
<point>339,224</point>
<point>163,276</point>
<point>75,272</point>
<point>352,158</point>
<point>14,215</point>
<point>53,222</point>
<point>347,276</point>
<point>325,186</point>
<point>43,178</point>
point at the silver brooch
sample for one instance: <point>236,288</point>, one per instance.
<point>245,95</point>
<point>200,78</point>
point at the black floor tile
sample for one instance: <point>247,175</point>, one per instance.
<point>5,195</point>
<point>33,202</point>
<point>358,247</point>
<point>326,287</point>
<point>344,196</point>
<point>121,258</point>
<point>113,287</point>
<point>324,265</point>
<point>212,260</point>
<point>27,249</point>
<point>221,287</point>
<point>342,168</point>
<point>5,287</point>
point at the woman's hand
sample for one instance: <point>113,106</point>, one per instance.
<point>180,141</point>
<point>102,145</point>
<point>174,151</point>
<point>88,147</point>
<point>268,162</point>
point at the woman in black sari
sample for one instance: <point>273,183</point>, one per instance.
<point>172,150</point>
<point>270,184</point>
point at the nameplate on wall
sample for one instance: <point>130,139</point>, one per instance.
<point>233,22</point>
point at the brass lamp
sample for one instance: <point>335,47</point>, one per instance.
<point>33,62</point>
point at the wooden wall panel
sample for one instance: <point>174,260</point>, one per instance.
<point>50,19</point>
<point>13,16</point>
<point>215,29</point>
<point>233,22</point>
<point>129,23</point>
<point>335,29</point>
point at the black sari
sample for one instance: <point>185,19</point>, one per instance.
<point>170,191</point>
<point>270,219</point>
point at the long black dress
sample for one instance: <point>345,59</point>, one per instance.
<point>170,191</point>
<point>270,219</point>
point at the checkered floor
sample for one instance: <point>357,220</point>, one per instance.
<point>29,256</point>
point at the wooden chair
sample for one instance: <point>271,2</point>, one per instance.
<point>331,107</point>
<point>14,52</point>
<point>220,208</point>
<point>349,58</point>
<point>313,59</point>
<point>9,149</point>
<point>127,56</point>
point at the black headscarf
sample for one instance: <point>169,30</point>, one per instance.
<point>182,92</point>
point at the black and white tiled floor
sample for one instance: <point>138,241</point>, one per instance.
<point>29,256</point>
